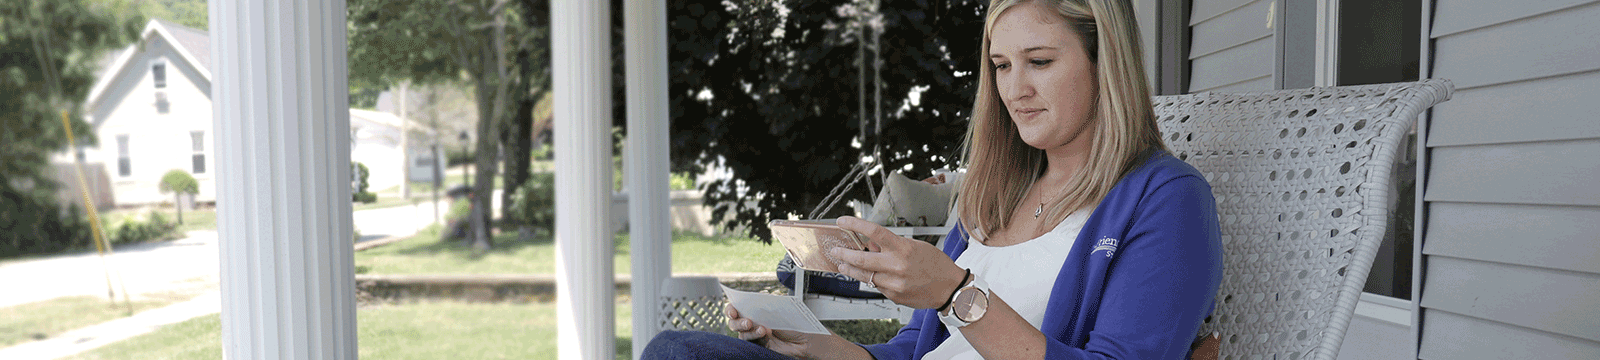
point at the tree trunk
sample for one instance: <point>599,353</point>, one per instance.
<point>519,132</point>
<point>483,184</point>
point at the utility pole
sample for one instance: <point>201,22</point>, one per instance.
<point>405,146</point>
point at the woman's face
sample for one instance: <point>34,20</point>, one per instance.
<point>1044,77</point>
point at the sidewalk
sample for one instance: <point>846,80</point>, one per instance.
<point>151,268</point>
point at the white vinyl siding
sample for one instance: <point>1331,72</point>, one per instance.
<point>1510,241</point>
<point>1232,47</point>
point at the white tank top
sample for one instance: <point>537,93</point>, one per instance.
<point>1023,274</point>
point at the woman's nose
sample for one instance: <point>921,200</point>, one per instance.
<point>1016,87</point>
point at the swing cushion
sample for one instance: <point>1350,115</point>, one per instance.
<point>826,283</point>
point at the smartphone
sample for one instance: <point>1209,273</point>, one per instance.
<point>808,242</point>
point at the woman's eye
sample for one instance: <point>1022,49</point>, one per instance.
<point>998,67</point>
<point>1040,62</point>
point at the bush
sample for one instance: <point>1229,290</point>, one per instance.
<point>456,225</point>
<point>136,229</point>
<point>534,203</point>
<point>178,181</point>
<point>358,184</point>
<point>31,223</point>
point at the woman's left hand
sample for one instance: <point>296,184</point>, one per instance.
<point>909,272</point>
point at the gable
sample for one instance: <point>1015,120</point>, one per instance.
<point>188,45</point>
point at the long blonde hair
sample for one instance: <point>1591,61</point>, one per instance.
<point>1001,167</point>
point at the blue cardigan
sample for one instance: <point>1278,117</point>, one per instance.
<point>1139,281</point>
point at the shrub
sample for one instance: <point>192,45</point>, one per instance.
<point>135,229</point>
<point>31,223</point>
<point>179,182</point>
<point>358,184</point>
<point>534,203</point>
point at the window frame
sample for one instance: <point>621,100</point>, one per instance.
<point>198,154</point>
<point>124,156</point>
<point>158,73</point>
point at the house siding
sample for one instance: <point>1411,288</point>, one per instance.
<point>1232,47</point>
<point>1509,245</point>
<point>157,142</point>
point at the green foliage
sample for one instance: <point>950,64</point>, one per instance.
<point>35,225</point>
<point>178,181</point>
<point>783,115</point>
<point>534,203</point>
<point>49,52</point>
<point>459,209</point>
<point>153,226</point>
<point>682,181</point>
<point>358,184</point>
<point>190,13</point>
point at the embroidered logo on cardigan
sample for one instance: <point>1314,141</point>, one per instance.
<point>1107,244</point>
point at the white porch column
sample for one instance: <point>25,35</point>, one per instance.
<point>283,128</point>
<point>581,56</point>
<point>649,203</point>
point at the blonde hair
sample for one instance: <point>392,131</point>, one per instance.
<point>1001,167</point>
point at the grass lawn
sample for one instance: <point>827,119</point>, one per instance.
<point>425,254</point>
<point>40,320</point>
<point>436,330</point>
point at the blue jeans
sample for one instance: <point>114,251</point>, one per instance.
<point>700,345</point>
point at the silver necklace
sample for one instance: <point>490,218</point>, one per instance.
<point>1040,210</point>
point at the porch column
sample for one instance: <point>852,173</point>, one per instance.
<point>283,145</point>
<point>581,64</point>
<point>649,204</point>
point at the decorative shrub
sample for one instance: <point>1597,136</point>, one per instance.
<point>358,184</point>
<point>534,203</point>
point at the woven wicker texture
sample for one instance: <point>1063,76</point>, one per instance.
<point>1301,179</point>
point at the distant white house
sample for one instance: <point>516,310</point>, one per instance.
<point>375,142</point>
<point>151,111</point>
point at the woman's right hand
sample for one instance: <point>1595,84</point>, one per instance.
<point>793,343</point>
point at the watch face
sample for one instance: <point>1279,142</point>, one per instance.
<point>971,304</point>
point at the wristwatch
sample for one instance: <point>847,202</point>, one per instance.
<point>968,304</point>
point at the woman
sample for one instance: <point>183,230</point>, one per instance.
<point>1079,236</point>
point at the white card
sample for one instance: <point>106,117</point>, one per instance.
<point>776,312</point>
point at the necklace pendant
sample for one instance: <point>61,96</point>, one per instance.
<point>1039,211</point>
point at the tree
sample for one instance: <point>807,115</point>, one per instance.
<point>179,183</point>
<point>430,41</point>
<point>773,91</point>
<point>48,53</point>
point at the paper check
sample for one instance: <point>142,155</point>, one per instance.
<point>777,312</point>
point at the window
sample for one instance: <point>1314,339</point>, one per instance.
<point>199,157</point>
<point>162,106</point>
<point>158,72</point>
<point>124,165</point>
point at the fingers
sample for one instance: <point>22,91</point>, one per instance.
<point>755,333</point>
<point>878,237</point>
<point>861,260</point>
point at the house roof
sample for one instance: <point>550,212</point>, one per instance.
<point>193,45</point>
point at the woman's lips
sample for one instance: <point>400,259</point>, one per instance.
<point>1029,113</point>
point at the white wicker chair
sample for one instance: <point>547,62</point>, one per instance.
<point>1301,179</point>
